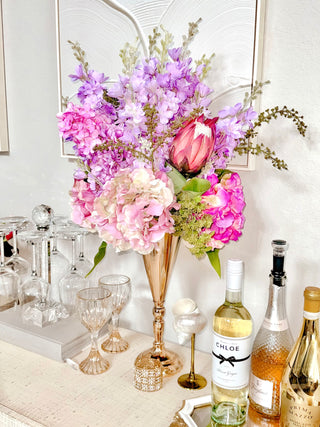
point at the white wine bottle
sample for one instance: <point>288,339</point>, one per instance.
<point>232,342</point>
<point>300,384</point>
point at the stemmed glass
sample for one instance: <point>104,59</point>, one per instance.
<point>33,295</point>
<point>120,288</point>
<point>72,281</point>
<point>59,264</point>
<point>94,307</point>
<point>188,321</point>
<point>82,263</point>
<point>9,280</point>
<point>16,262</point>
<point>34,290</point>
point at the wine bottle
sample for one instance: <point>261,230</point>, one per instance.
<point>272,343</point>
<point>300,385</point>
<point>232,342</point>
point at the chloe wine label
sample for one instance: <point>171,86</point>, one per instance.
<point>231,361</point>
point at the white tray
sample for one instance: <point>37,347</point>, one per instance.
<point>58,341</point>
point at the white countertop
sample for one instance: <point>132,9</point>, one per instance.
<point>37,391</point>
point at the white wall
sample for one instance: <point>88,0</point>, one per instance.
<point>279,204</point>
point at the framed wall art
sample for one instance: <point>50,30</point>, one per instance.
<point>4,139</point>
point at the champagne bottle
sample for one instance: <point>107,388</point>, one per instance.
<point>272,343</point>
<point>232,332</point>
<point>300,385</point>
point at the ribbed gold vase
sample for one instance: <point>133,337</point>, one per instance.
<point>159,264</point>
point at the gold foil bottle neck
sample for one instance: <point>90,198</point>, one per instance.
<point>312,299</point>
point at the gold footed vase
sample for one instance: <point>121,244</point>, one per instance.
<point>159,264</point>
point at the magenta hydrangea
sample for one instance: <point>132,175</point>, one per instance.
<point>84,126</point>
<point>225,203</point>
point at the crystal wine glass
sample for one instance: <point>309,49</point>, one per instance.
<point>82,263</point>
<point>59,263</point>
<point>16,262</point>
<point>33,294</point>
<point>188,321</point>
<point>72,281</point>
<point>94,308</point>
<point>120,288</point>
<point>9,280</point>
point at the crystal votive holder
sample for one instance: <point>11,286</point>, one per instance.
<point>148,374</point>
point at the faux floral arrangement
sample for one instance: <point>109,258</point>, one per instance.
<point>152,159</point>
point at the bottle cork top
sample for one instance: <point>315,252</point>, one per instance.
<point>312,299</point>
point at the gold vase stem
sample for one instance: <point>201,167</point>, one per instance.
<point>158,265</point>
<point>158,328</point>
<point>191,375</point>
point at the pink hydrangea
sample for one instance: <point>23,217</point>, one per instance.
<point>133,210</point>
<point>82,203</point>
<point>225,203</point>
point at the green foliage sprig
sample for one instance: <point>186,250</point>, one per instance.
<point>129,55</point>
<point>246,146</point>
<point>79,54</point>
<point>256,91</point>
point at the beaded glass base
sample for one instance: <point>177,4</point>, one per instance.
<point>147,374</point>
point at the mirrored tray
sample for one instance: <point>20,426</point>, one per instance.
<point>196,413</point>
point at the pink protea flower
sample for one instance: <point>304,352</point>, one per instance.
<point>133,210</point>
<point>225,203</point>
<point>193,145</point>
<point>82,203</point>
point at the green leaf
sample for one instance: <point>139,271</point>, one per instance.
<point>177,178</point>
<point>197,186</point>
<point>215,261</point>
<point>98,256</point>
<point>221,172</point>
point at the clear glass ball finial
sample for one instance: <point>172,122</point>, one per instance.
<point>42,216</point>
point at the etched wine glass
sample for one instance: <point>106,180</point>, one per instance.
<point>16,262</point>
<point>9,280</point>
<point>120,288</point>
<point>94,307</point>
<point>72,281</point>
<point>188,321</point>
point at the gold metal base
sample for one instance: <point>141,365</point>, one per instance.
<point>193,382</point>
<point>170,361</point>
